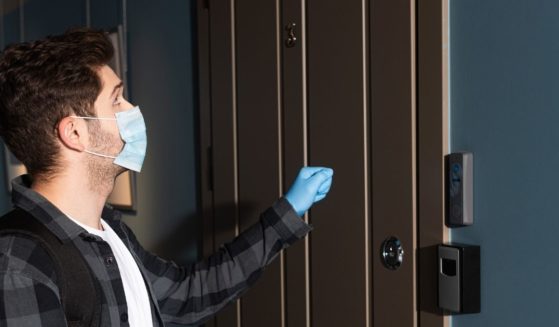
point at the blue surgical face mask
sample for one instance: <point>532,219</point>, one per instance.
<point>132,129</point>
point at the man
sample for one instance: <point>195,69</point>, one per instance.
<point>62,113</point>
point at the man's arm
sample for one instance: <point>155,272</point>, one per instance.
<point>192,294</point>
<point>28,296</point>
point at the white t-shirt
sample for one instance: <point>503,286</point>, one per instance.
<point>137,299</point>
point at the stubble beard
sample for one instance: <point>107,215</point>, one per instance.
<point>102,172</point>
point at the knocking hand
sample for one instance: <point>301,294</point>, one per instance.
<point>311,185</point>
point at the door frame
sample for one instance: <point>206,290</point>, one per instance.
<point>432,145</point>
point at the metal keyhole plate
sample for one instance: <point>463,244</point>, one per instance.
<point>392,253</point>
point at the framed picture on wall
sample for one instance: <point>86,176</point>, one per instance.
<point>123,196</point>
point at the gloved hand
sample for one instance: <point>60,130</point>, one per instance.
<point>311,185</point>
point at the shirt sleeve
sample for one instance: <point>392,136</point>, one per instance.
<point>193,293</point>
<point>28,295</point>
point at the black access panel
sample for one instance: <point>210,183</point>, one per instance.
<point>459,278</point>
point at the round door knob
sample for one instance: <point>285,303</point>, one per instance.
<point>392,253</point>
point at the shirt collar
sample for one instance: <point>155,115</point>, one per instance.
<point>48,214</point>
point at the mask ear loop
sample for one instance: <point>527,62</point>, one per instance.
<point>99,154</point>
<point>96,118</point>
<point>93,118</point>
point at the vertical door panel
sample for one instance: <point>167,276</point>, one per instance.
<point>223,136</point>
<point>294,134</point>
<point>338,138</point>
<point>259,149</point>
<point>393,157</point>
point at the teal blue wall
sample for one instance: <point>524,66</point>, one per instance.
<point>9,34</point>
<point>162,82</point>
<point>504,68</point>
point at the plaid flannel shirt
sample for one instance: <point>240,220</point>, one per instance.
<point>184,295</point>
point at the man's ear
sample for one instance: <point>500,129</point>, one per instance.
<point>72,133</point>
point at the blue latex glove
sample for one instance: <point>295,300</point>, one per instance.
<point>311,185</point>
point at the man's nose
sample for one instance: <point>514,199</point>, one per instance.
<point>127,105</point>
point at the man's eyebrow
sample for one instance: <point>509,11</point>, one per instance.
<point>118,86</point>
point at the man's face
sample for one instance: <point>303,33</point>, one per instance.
<point>104,136</point>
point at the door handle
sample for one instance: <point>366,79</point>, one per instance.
<point>392,253</point>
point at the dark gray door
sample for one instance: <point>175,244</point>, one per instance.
<point>341,93</point>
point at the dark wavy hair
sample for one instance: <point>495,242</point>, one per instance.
<point>42,82</point>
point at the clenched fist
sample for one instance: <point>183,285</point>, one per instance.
<point>311,185</point>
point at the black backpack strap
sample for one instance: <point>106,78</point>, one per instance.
<point>79,291</point>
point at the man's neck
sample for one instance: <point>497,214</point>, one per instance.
<point>75,198</point>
